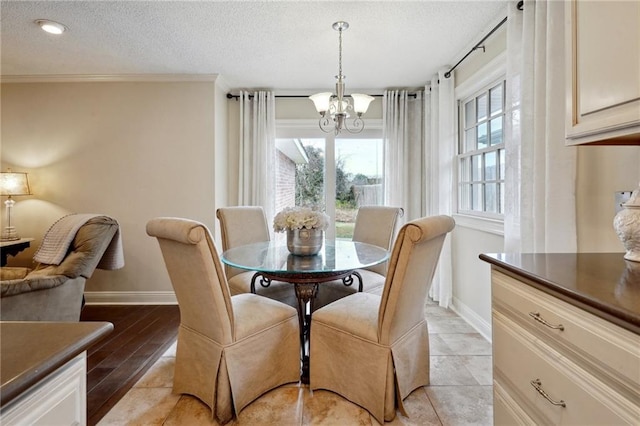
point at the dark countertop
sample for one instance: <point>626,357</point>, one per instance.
<point>601,283</point>
<point>29,351</point>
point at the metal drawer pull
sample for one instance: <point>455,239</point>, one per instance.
<point>536,316</point>
<point>537,384</point>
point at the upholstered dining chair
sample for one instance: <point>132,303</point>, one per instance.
<point>382,340</point>
<point>374,225</point>
<point>231,349</point>
<point>240,225</point>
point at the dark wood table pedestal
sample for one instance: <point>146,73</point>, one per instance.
<point>271,260</point>
<point>306,288</point>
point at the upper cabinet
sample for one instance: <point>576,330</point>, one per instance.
<point>603,72</point>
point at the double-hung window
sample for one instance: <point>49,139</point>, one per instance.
<point>481,154</point>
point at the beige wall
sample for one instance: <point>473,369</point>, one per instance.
<point>471,276</point>
<point>603,170</point>
<point>132,150</point>
<point>302,108</point>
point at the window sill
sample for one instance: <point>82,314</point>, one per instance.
<point>491,226</point>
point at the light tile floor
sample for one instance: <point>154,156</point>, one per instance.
<point>460,392</point>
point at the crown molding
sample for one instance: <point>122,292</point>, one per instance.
<point>91,78</point>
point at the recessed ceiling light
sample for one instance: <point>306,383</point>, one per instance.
<point>51,26</point>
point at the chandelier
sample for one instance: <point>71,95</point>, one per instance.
<point>335,109</point>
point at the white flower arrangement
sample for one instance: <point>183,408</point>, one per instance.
<point>298,218</point>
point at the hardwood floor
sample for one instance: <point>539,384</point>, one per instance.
<point>141,334</point>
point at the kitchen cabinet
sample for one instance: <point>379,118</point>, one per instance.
<point>43,379</point>
<point>602,72</point>
<point>566,348</point>
<point>58,399</point>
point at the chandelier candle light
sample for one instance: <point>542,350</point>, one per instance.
<point>335,108</point>
<point>12,184</point>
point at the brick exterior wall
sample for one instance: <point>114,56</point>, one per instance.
<point>285,182</point>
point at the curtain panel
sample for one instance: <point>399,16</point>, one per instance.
<point>540,179</point>
<point>404,168</point>
<point>440,151</point>
<point>419,141</point>
<point>257,153</point>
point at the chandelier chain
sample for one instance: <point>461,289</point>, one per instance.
<point>340,52</point>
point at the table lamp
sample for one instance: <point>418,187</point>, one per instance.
<point>11,184</point>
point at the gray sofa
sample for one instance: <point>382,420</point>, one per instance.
<point>55,292</point>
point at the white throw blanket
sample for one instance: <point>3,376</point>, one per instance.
<point>58,238</point>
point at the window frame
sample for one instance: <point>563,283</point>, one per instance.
<point>308,129</point>
<point>461,140</point>
<point>487,75</point>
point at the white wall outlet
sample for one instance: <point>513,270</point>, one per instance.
<point>621,198</point>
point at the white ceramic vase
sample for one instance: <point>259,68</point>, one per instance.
<point>627,226</point>
<point>304,242</point>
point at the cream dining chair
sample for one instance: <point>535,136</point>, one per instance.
<point>231,349</point>
<point>374,350</point>
<point>374,225</point>
<point>240,225</point>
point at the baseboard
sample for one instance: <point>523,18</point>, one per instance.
<point>130,298</point>
<point>470,316</point>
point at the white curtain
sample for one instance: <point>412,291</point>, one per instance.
<point>440,151</point>
<point>257,152</point>
<point>419,140</point>
<point>403,135</point>
<point>540,169</point>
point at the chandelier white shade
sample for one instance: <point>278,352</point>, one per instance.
<point>335,108</point>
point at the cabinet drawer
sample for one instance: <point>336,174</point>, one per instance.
<point>607,349</point>
<point>506,410</point>
<point>520,358</point>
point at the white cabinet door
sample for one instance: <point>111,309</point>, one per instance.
<point>58,399</point>
<point>603,71</point>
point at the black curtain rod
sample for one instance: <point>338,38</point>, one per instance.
<point>477,46</point>
<point>230,96</point>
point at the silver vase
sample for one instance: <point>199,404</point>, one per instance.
<point>304,242</point>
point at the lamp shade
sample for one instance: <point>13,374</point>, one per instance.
<point>12,183</point>
<point>321,101</point>
<point>361,102</point>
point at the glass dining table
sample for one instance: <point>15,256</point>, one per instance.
<point>337,260</point>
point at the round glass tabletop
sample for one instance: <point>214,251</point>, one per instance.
<point>274,257</point>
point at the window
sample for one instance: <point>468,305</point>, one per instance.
<point>481,154</point>
<point>335,174</point>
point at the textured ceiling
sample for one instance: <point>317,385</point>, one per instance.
<point>280,45</point>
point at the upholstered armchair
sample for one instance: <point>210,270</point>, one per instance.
<point>231,349</point>
<point>240,225</point>
<point>70,252</point>
<point>374,350</point>
<point>374,225</point>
